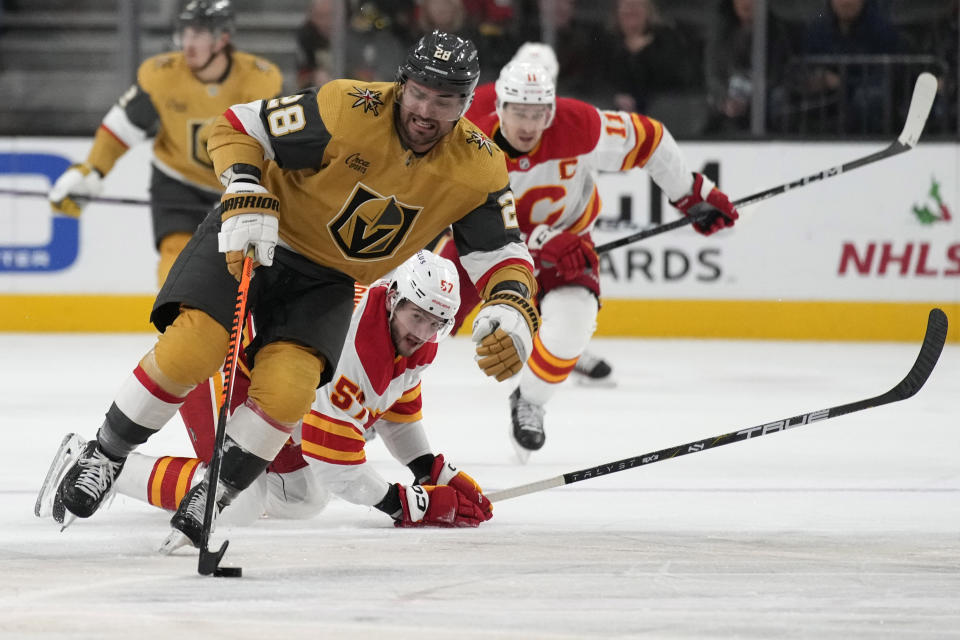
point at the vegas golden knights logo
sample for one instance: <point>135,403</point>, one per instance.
<point>371,226</point>
<point>198,132</point>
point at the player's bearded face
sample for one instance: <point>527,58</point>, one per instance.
<point>426,115</point>
<point>199,46</point>
<point>523,124</point>
<point>411,327</point>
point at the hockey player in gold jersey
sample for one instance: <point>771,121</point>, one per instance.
<point>329,186</point>
<point>178,95</point>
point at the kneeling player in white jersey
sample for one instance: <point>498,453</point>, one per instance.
<point>392,338</point>
<point>554,149</point>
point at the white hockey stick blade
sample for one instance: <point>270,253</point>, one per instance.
<point>923,94</point>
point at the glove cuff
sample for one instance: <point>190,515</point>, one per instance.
<point>541,235</point>
<point>444,472</point>
<point>234,204</point>
<point>518,302</point>
<point>87,169</point>
<point>415,501</point>
<point>245,187</point>
<point>702,185</point>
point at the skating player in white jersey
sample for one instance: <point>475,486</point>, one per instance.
<point>554,148</point>
<point>392,339</point>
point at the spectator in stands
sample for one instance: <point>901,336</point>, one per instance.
<point>729,64</point>
<point>314,55</point>
<point>934,30</point>
<point>646,56</point>
<point>845,28</point>
<point>446,15</point>
<point>370,46</point>
<point>474,20</point>
<point>578,43</point>
<point>402,14</point>
<point>497,33</point>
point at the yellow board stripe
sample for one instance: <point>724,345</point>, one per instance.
<point>752,319</point>
<point>110,314</point>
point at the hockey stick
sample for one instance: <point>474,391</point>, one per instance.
<point>209,562</point>
<point>112,200</point>
<point>924,91</point>
<point>933,340</point>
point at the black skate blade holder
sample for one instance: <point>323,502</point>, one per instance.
<point>209,563</point>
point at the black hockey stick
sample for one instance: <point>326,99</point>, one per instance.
<point>933,341</point>
<point>209,562</point>
<point>924,92</point>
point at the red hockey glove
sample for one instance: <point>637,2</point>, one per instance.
<point>569,253</point>
<point>445,473</point>
<point>705,198</point>
<point>437,506</point>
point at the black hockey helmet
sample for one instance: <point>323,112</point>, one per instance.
<point>442,61</point>
<point>213,15</point>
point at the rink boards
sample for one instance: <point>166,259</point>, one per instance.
<point>860,256</point>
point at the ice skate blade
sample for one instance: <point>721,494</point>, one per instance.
<point>67,521</point>
<point>174,540</point>
<point>523,454</point>
<point>66,455</point>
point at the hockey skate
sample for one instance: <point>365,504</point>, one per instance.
<point>526,431</point>
<point>86,484</point>
<point>593,371</point>
<point>187,521</point>
<point>70,449</point>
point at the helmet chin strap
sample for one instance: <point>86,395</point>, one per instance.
<point>210,60</point>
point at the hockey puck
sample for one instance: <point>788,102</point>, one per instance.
<point>228,572</point>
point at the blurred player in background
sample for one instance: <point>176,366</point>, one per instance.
<point>176,97</point>
<point>555,147</point>
<point>590,369</point>
<point>393,338</point>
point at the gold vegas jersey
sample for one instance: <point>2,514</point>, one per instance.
<point>354,199</point>
<point>168,101</point>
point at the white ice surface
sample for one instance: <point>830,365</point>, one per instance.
<point>848,528</point>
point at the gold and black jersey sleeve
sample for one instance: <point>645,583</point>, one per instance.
<point>295,146</point>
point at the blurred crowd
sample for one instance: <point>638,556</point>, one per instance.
<point>832,66</point>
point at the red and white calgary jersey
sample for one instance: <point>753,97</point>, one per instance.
<point>371,383</point>
<point>556,182</point>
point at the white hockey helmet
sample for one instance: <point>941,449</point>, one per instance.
<point>525,83</point>
<point>541,54</point>
<point>431,282</point>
